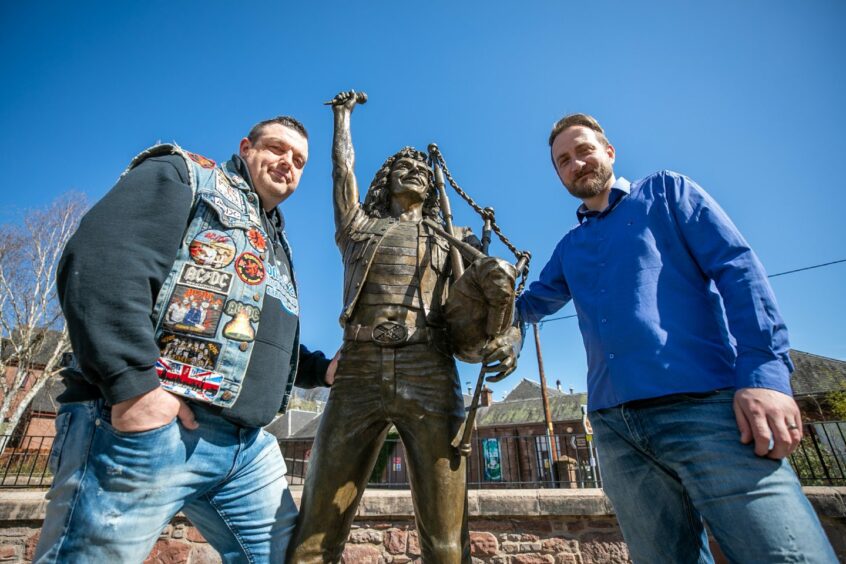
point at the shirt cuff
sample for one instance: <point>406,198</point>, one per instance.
<point>773,374</point>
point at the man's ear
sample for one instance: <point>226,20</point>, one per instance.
<point>611,152</point>
<point>244,146</point>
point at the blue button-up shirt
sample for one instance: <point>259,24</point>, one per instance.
<point>669,296</point>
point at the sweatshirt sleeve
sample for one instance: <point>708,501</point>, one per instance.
<point>311,372</point>
<point>111,272</point>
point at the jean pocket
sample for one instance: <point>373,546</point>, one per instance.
<point>138,434</point>
<point>62,425</point>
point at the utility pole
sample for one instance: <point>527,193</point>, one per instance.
<point>552,451</point>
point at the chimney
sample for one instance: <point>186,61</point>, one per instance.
<point>571,391</point>
<point>558,385</point>
<point>487,397</point>
<point>469,389</point>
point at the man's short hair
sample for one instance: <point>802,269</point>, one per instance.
<point>578,119</point>
<point>287,121</point>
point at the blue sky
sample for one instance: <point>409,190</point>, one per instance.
<point>745,97</point>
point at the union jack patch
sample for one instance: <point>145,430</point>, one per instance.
<point>188,381</point>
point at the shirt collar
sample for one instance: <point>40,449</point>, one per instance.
<point>619,190</point>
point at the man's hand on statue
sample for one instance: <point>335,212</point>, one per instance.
<point>500,354</point>
<point>330,370</point>
<point>152,410</point>
<point>769,418</point>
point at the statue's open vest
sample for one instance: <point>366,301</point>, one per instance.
<point>208,309</point>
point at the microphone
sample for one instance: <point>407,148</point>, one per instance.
<point>360,98</point>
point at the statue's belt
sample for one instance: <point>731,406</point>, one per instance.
<point>388,334</point>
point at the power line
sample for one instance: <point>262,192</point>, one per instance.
<point>806,268</point>
<point>770,276</point>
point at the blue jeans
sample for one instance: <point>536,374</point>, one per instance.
<point>667,466</point>
<point>113,493</point>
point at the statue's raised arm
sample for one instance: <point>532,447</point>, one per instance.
<point>345,186</point>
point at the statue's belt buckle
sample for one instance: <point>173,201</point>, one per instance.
<point>390,333</point>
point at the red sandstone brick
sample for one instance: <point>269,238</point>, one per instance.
<point>413,547</point>
<point>602,524</point>
<point>193,535</point>
<point>8,552</point>
<point>31,543</point>
<point>204,554</point>
<point>532,559</point>
<point>528,538</point>
<point>566,558</point>
<point>396,541</point>
<point>483,544</point>
<point>556,545</point>
<point>361,554</point>
<point>169,552</point>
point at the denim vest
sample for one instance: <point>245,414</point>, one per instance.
<point>209,306</point>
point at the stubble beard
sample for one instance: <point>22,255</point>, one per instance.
<point>592,186</point>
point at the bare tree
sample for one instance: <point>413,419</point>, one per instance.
<point>33,330</point>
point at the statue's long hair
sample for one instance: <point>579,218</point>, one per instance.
<point>377,203</point>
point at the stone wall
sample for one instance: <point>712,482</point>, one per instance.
<point>507,527</point>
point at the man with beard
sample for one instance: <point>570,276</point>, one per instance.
<point>688,367</point>
<point>395,366</point>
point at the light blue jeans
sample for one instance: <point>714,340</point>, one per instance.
<point>113,493</point>
<point>668,466</point>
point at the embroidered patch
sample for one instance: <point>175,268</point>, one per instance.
<point>249,268</point>
<point>253,214</point>
<point>206,278</point>
<point>212,248</point>
<point>200,160</point>
<point>240,328</point>
<point>225,189</point>
<point>281,287</point>
<point>193,311</point>
<point>188,381</point>
<point>257,240</point>
<point>226,209</point>
<point>187,350</point>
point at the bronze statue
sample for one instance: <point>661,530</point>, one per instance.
<point>396,364</point>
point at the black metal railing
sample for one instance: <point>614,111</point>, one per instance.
<point>23,461</point>
<point>820,459</point>
<point>495,462</point>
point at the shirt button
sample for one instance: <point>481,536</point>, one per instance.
<point>611,356</point>
<point>245,346</point>
<point>604,320</point>
<point>601,264</point>
<point>602,290</point>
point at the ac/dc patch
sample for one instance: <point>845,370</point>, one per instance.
<point>188,381</point>
<point>257,240</point>
<point>250,269</point>
<point>187,350</point>
<point>212,248</point>
<point>193,311</point>
<point>200,160</point>
<point>206,278</point>
<point>240,327</point>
